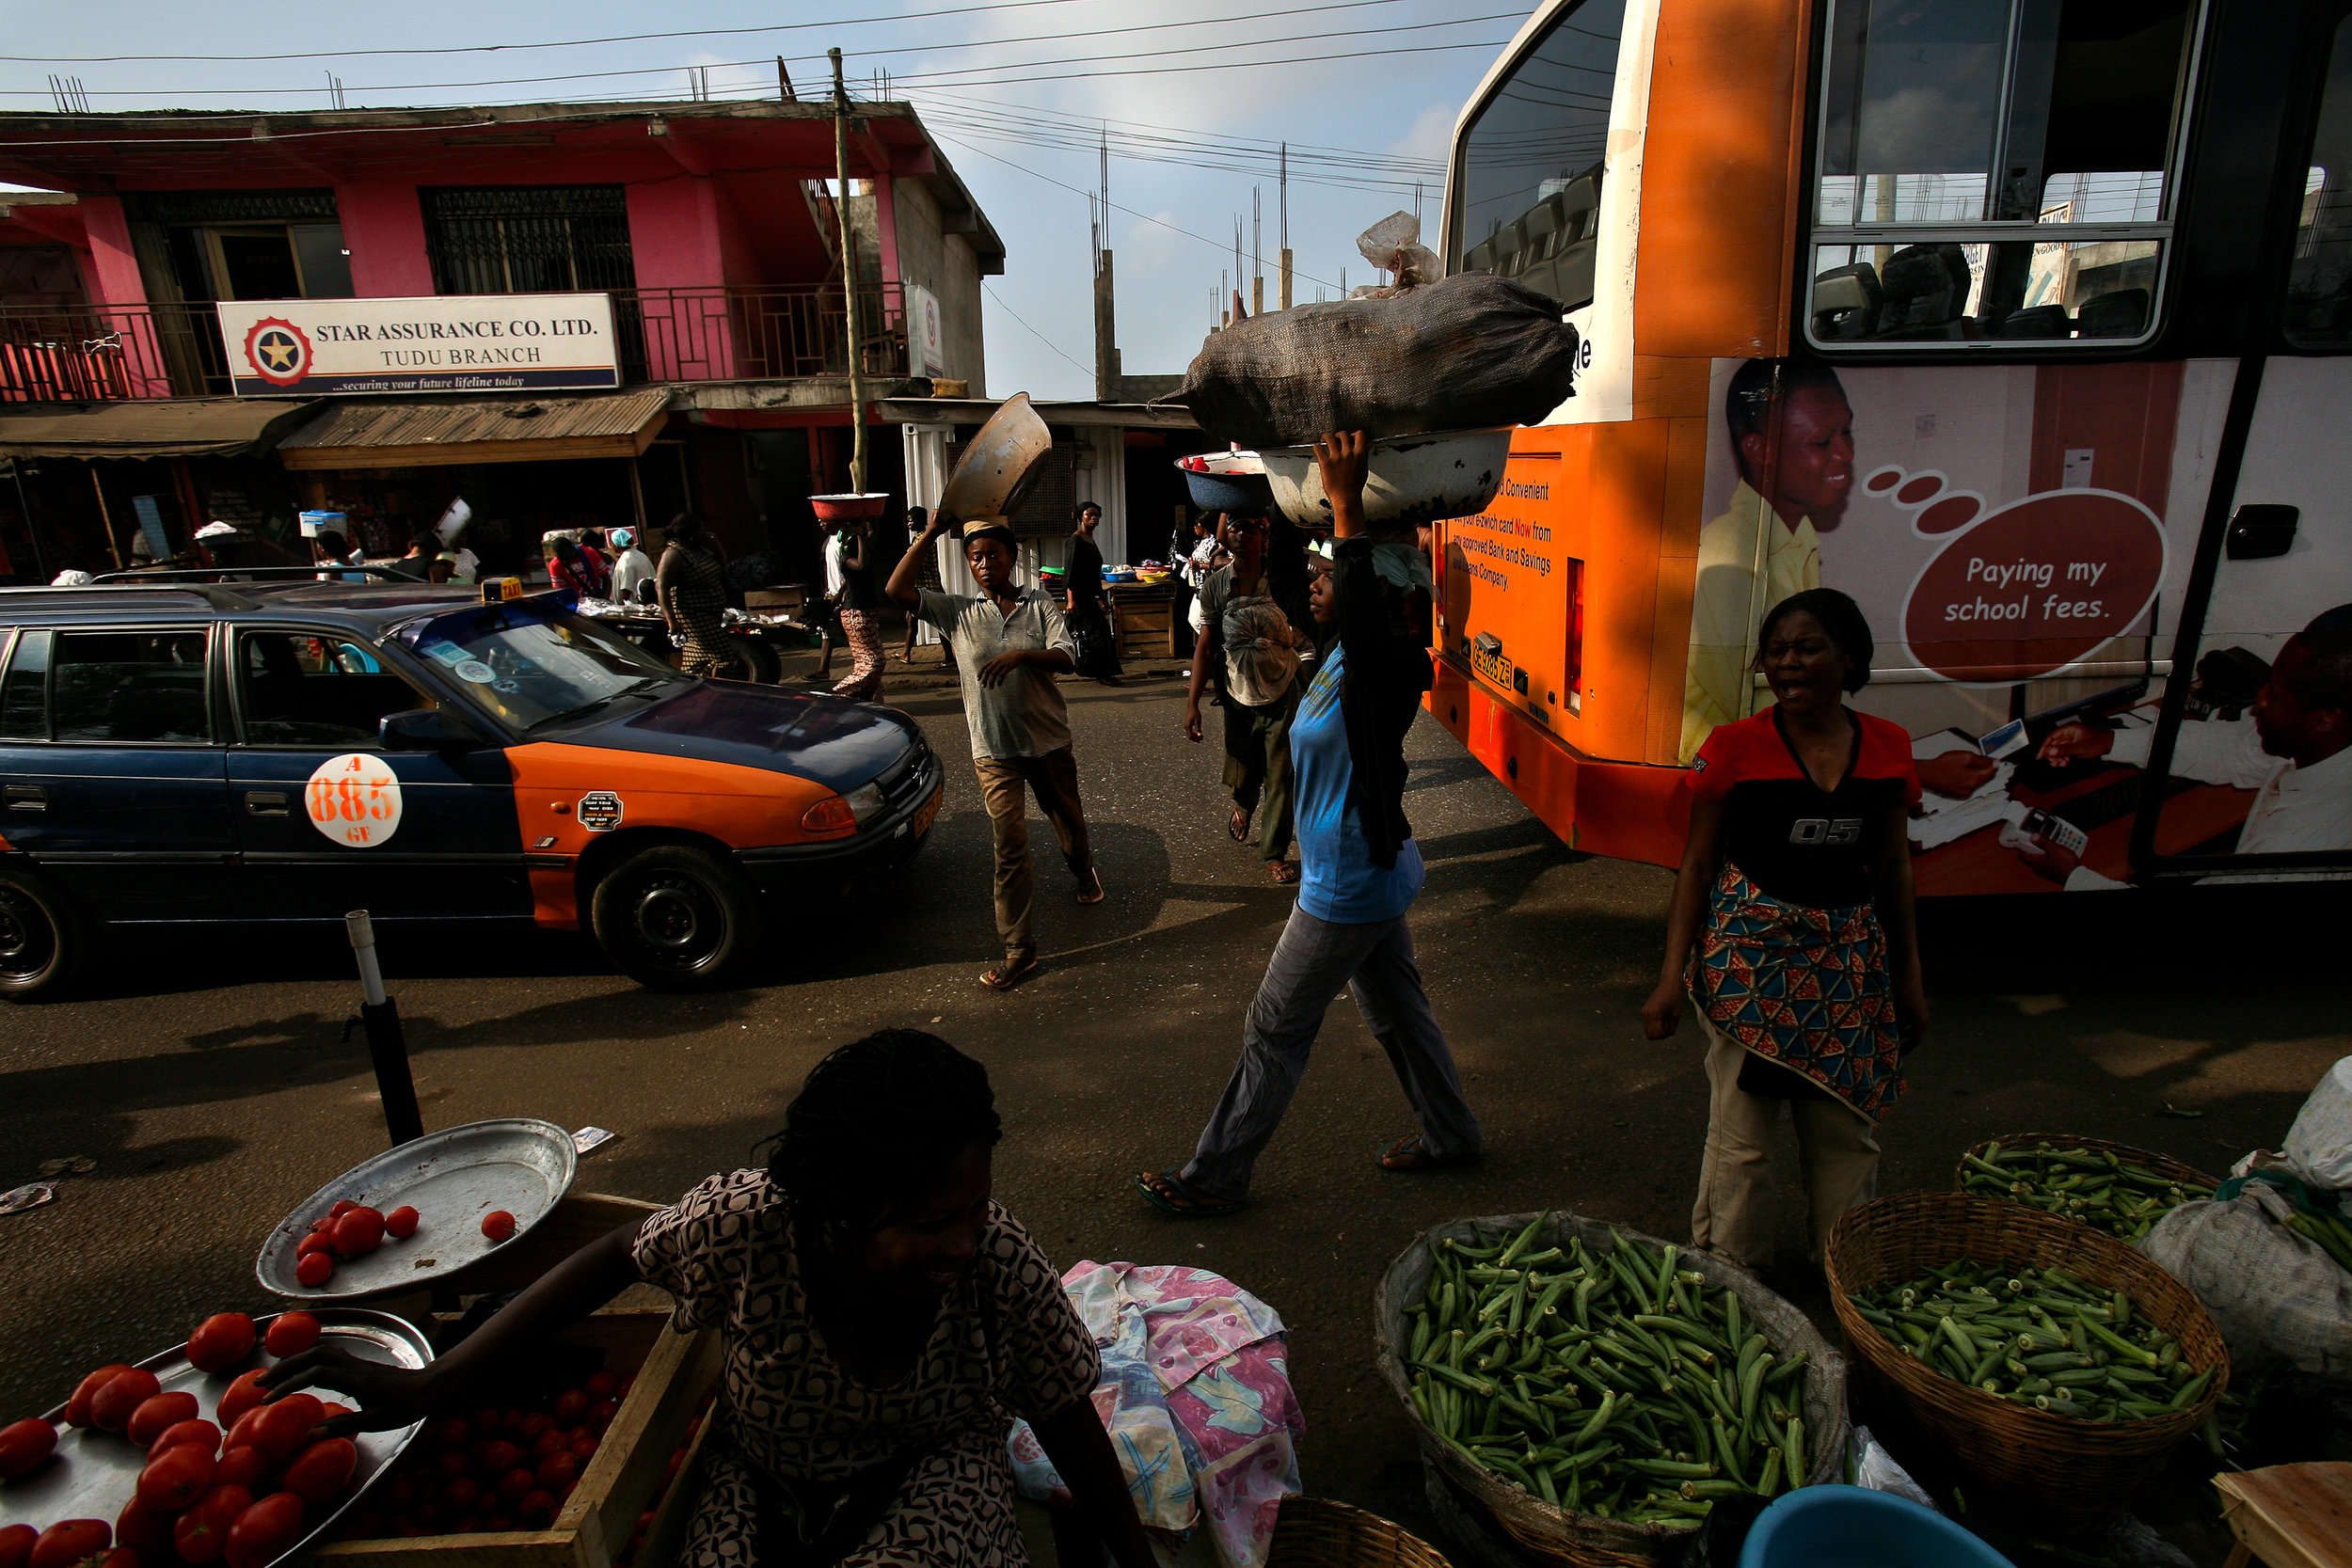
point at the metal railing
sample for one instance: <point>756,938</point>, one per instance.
<point>755,332</point>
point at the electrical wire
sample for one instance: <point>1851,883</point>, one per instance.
<point>1032,331</point>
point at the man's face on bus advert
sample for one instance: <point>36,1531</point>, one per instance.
<point>1804,456</point>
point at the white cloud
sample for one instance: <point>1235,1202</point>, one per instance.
<point>1431,135</point>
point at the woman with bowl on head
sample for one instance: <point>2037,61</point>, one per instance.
<point>1793,928</point>
<point>882,1319</point>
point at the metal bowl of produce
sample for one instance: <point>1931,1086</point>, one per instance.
<point>1233,483</point>
<point>1410,480</point>
<point>453,1178</point>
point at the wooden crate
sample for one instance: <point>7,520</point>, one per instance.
<point>674,1371</point>
<point>1145,616</point>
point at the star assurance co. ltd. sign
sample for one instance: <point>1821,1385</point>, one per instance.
<point>445,343</point>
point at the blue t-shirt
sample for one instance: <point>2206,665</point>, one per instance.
<point>1339,881</point>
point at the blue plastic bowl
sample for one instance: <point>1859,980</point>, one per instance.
<point>1853,1527</point>
<point>1243,495</point>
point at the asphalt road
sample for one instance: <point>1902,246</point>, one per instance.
<point>206,1075</point>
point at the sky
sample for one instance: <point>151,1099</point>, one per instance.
<point>1018,92</point>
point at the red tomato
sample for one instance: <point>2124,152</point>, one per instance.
<point>515,1484</point>
<point>201,1433</point>
<point>145,1531</point>
<point>511,1423</point>
<point>485,1425</point>
<point>468,1523</point>
<point>333,1408</point>
<point>497,1224</point>
<point>176,1478</point>
<point>112,1407</point>
<point>601,1385</point>
<point>284,1426</point>
<point>202,1531</point>
<point>498,1522</point>
<point>556,1471</point>
<point>320,1242</point>
<point>570,1405</point>
<point>290,1333</point>
<point>25,1444</point>
<point>535,1424</point>
<point>70,1540</point>
<point>452,1465</point>
<point>323,1470</point>
<point>401,1222</point>
<point>240,1435</point>
<point>241,1464</point>
<point>583,1449</point>
<point>451,1433</point>
<point>601,1413</point>
<point>496,1457</point>
<point>460,1495</point>
<point>243,1395</point>
<point>155,1416</point>
<point>266,1531</point>
<point>537,1508</point>
<point>359,1234</point>
<point>220,1342</point>
<point>551,1441</point>
<point>16,1544</point>
<point>315,1269</point>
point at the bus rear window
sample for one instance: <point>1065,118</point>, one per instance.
<point>2318,312</point>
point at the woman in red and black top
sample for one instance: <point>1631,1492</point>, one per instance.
<point>1792,926</point>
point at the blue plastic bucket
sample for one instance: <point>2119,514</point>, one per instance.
<point>1853,1527</point>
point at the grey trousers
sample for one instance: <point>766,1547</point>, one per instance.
<point>1313,962</point>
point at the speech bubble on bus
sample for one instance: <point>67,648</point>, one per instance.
<point>2033,586</point>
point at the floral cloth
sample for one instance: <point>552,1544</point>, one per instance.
<point>1804,988</point>
<point>1196,1394</point>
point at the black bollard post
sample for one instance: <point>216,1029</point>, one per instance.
<point>387,1049</point>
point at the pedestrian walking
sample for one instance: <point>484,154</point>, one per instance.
<point>1793,931</point>
<point>1249,650</point>
<point>690,583</point>
<point>1088,601</point>
<point>862,602</point>
<point>880,1318</point>
<point>1009,644</point>
<point>1187,580</point>
<point>1362,871</point>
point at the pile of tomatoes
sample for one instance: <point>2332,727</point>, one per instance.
<point>347,1230</point>
<point>205,1494</point>
<point>497,1469</point>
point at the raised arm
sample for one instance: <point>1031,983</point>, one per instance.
<point>1686,916</point>
<point>1343,458</point>
<point>904,578</point>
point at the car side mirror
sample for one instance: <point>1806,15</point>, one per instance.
<point>427,729</point>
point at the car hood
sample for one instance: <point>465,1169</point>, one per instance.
<point>835,744</point>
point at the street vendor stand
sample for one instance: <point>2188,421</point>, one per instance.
<point>1143,614</point>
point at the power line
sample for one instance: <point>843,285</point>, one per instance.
<point>1033,331</point>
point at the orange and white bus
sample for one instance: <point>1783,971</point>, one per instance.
<point>2028,323</point>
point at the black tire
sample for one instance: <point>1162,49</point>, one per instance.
<point>39,942</point>
<point>675,918</point>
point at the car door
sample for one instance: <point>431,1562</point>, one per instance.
<point>113,771</point>
<point>328,821</point>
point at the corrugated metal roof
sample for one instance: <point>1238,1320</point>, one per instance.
<point>469,422</point>
<point>164,427</point>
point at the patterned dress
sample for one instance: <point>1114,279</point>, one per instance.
<point>698,595</point>
<point>1007,1343</point>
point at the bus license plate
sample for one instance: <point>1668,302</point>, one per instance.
<point>1493,667</point>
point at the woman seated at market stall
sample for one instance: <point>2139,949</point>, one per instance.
<point>882,1319</point>
<point>1792,926</point>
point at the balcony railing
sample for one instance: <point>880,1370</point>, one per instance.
<point>758,332</point>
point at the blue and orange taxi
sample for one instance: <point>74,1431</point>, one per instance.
<point>184,753</point>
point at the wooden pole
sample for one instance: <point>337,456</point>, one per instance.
<point>849,274</point>
<point>105,519</point>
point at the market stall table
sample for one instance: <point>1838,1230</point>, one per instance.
<point>1144,616</point>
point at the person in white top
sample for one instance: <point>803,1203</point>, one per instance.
<point>2295,752</point>
<point>631,566</point>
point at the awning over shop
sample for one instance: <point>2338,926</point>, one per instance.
<point>420,433</point>
<point>164,427</point>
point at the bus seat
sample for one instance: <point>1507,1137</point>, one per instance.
<point>1510,249</point>
<point>1543,226</point>
<point>1923,291</point>
<point>2118,313</point>
<point>1572,274</point>
<point>1846,302</point>
<point>1580,206</point>
<point>2037,321</point>
<point>1543,278</point>
<point>1481,256</point>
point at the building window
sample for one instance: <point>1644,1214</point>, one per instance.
<point>1530,178</point>
<point>528,239</point>
<point>243,244</point>
<point>1997,170</point>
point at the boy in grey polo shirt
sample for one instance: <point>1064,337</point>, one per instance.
<point>1009,643</point>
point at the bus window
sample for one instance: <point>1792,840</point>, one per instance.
<point>2318,311</point>
<point>1528,191</point>
<point>1944,127</point>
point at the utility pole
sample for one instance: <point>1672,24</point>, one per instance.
<point>849,274</point>
<point>1257,263</point>
<point>783,83</point>
<point>1284,187</point>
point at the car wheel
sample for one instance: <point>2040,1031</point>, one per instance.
<point>675,918</point>
<point>38,940</point>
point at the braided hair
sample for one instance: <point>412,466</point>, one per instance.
<point>877,1123</point>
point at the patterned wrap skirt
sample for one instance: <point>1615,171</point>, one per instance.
<point>1804,988</point>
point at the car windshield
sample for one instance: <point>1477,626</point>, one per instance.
<point>533,663</point>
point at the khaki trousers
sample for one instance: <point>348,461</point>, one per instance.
<point>1838,1161</point>
<point>1053,779</point>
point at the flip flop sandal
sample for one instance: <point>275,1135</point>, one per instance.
<point>1237,826</point>
<point>1180,1201</point>
<point>1099,894</point>
<point>1283,872</point>
<point>1411,1154</point>
<point>1006,976</point>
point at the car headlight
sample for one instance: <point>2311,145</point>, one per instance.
<point>866,802</point>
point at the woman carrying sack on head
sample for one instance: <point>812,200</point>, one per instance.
<point>1250,649</point>
<point>1793,930</point>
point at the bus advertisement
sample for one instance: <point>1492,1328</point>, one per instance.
<point>2024,322</point>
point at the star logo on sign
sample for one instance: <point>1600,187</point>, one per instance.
<point>278,351</point>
